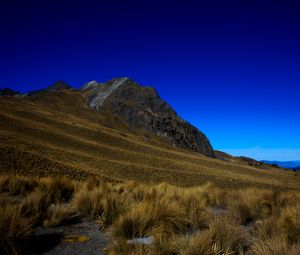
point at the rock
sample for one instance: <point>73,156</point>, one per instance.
<point>142,240</point>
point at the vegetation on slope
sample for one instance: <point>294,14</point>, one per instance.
<point>56,134</point>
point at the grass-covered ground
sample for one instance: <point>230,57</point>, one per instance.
<point>173,220</point>
<point>56,135</point>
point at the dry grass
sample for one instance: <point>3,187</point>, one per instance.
<point>57,189</point>
<point>180,221</point>
<point>41,139</point>
<point>16,185</point>
<point>14,229</point>
<point>13,225</point>
<point>276,244</point>
<point>88,202</point>
<point>58,215</point>
<point>290,222</point>
<point>249,205</point>
<point>149,219</point>
<point>65,139</point>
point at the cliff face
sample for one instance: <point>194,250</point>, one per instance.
<point>141,107</point>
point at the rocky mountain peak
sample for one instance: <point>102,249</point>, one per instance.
<point>142,108</point>
<point>99,92</point>
<point>90,85</point>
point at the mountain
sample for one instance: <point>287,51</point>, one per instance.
<point>142,108</point>
<point>285,164</point>
<point>78,133</point>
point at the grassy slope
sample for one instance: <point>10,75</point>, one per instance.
<point>56,135</point>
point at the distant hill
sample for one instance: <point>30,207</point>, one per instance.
<point>285,164</point>
<point>245,161</point>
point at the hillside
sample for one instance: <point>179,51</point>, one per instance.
<point>56,133</point>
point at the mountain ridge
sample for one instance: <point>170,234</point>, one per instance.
<point>138,107</point>
<point>292,164</point>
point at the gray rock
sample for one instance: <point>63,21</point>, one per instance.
<point>142,240</point>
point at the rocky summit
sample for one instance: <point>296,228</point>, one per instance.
<point>141,108</point>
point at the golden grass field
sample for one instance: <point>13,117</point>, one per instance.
<point>56,134</point>
<point>202,220</point>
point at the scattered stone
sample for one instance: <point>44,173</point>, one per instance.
<point>142,240</point>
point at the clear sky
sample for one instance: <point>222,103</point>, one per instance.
<point>231,68</point>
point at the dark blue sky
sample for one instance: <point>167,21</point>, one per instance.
<point>232,68</point>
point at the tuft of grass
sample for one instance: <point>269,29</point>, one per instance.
<point>273,245</point>
<point>58,215</point>
<point>250,205</point>
<point>112,208</point>
<point>223,237</point>
<point>17,185</point>
<point>202,243</point>
<point>267,228</point>
<point>35,205</point>
<point>290,222</point>
<point>94,182</point>
<point>160,219</point>
<point>13,225</point>
<point>239,211</point>
<point>226,235</point>
<point>59,190</point>
<point>88,203</point>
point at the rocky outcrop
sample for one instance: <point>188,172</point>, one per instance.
<point>141,107</point>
